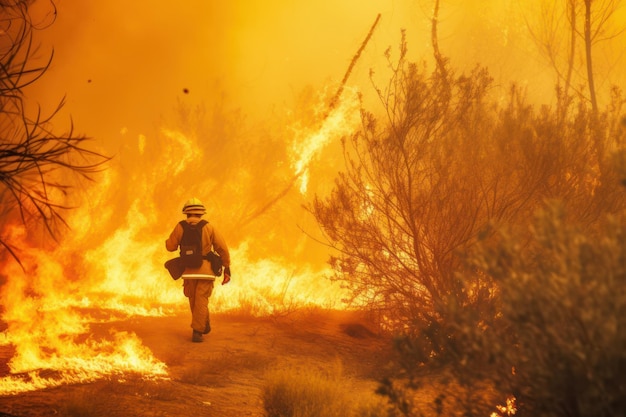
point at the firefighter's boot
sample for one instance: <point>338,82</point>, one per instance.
<point>196,337</point>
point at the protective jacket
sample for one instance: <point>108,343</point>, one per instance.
<point>211,239</point>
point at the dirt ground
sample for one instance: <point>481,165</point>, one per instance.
<point>223,376</point>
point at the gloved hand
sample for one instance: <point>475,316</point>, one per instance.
<point>226,279</point>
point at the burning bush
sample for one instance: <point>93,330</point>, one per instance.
<point>447,169</point>
<point>447,166</point>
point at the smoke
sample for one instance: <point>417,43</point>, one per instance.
<point>123,65</point>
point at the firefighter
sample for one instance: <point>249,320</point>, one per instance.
<point>198,282</point>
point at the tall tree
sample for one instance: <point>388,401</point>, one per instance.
<point>588,59</point>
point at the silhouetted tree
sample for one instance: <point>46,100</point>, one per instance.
<point>32,155</point>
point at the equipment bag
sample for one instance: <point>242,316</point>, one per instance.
<point>191,244</point>
<point>175,268</point>
<point>216,262</point>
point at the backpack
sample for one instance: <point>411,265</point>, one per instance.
<point>191,244</point>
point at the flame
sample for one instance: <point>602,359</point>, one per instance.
<point>271,285</point>
<point>49,315</point>
<point>506,410</point>
<point>309,143</point>
<point>110,267</point>
<point>123,353</point>
<point>49,329</point>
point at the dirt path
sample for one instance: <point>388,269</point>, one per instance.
<point>224,375</point>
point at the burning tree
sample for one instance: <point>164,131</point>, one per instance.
<point>33,157</point>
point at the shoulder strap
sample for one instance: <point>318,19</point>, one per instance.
<point>186,225</point>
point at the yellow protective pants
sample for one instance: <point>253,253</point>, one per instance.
<point>199,291</point>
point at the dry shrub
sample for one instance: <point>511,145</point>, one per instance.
<point>563,304</point>
<point>445,166</point>
<point>556,344</point>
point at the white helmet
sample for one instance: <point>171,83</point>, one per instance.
<point>194,206</point>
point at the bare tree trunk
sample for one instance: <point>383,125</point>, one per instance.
<point>441,67</point>
<point>563,99</point>
<point>588,40</point>
<point>435,38</point>
<point>572,46</point>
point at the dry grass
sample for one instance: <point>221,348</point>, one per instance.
<point>79,404</point>
<point>91,400</point>
<point>312,392</point>
<point>264,304</point>
<point>220,363</point>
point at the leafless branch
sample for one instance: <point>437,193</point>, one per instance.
<point>32,155</point>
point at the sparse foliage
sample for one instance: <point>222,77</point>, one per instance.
<point>387,216</point>
<point>32,157</point>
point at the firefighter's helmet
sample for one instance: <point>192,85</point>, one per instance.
<point>194,206</point>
